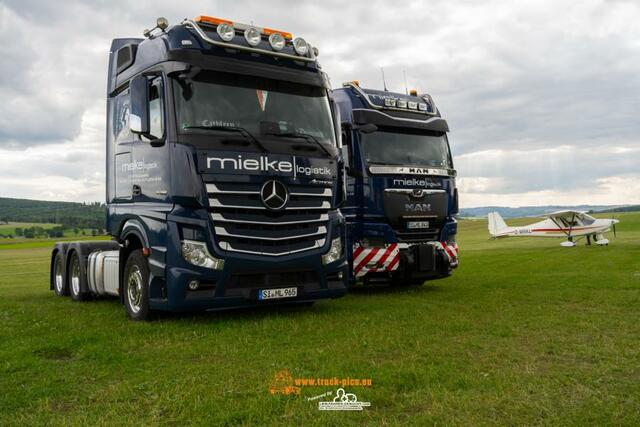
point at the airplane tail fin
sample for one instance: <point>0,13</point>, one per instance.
<point>496,224</point>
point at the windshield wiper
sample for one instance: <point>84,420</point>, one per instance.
<point>235,129</point>
<point>302,135</point>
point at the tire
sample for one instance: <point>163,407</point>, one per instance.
<point>135,286</point>
<point>60,286</point>
<point>76,278</point>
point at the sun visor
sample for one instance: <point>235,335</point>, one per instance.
<point>363,116</point>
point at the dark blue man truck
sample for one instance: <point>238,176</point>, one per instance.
<point>224,175</point>
<point>401,186</point>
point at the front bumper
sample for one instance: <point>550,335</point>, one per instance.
<point>402,260</point>
<point>244,275</point>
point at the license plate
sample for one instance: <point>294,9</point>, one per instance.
<point>412,225</point>
<point>277,293</point>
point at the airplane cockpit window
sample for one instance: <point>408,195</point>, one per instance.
<point>587,220</point>
<point>569,222</point>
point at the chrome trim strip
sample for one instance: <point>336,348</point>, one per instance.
<point>213,189</point>
<point>222,232</point>
<point>326,193</point>
<point>409,170</point>
<point>220,218</point>
<point>410,191</point>
<point>216,204</point>
<point>227,247</point>
<point>225,45</point>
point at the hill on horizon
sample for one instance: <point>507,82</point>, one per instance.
<point>67,214</point>
<point>93,214</point>
<point>526,211</point>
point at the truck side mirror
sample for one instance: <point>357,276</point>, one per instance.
<point>139,112</point>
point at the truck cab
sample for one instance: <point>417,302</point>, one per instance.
<point>224,174</point>
<point>401,186</point>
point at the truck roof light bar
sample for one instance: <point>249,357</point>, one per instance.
<point>398,104</point>
<point>253,35</point>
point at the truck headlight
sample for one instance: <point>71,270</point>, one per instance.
<point>300,46</point>
<point>226,32</point>
<point>252,36</point>
<point>335,252</point>
<point>196,253</point>
<point>277,41</point>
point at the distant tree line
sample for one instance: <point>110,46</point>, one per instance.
<point>37,232</point>
<point>67,214</point>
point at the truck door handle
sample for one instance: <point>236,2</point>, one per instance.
<point>136,190</point>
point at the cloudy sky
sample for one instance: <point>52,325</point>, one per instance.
<point>542,97</point>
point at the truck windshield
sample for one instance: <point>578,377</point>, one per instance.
<point>265,108</point>
<point>406,147</point>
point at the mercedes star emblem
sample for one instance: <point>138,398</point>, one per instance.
<point>274,195</point>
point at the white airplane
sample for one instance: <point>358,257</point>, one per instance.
<point>568,224</point>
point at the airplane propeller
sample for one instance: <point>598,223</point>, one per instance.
<point>613,224</point>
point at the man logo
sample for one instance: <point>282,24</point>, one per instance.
<point>274,195</point>
<point>417,207</point>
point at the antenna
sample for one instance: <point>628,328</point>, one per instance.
<point>384,83</point>
<point>404,73</point>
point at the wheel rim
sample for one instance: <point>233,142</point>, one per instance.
<point>58,274</point>
<point>75,277</point>
<point>134,289</point>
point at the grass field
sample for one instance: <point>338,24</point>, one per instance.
<point>525,332</point>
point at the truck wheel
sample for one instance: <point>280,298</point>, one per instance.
<point>136,286</point>
<point>59,286</point>
<point>76,279</point>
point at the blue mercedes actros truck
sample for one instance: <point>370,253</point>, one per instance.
<point>401,186</point>
<point>224,175</point>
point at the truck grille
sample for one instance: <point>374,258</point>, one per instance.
<point>417,236</point>
<point>405,235</point>
<point>243,224</point>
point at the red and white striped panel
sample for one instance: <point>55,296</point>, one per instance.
<point>451,250</point>
<point>367,260</point>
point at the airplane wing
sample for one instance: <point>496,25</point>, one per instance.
<point>568,214</point>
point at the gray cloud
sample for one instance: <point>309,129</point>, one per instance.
<point>518,79</point>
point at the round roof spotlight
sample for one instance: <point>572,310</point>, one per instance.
<point>316,52</point>
<point>252,36</point>
<point>162,23</point>
<point>301,46</point>
<point>226,31</point>
<point>277,41</point>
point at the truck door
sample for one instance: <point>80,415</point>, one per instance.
<point>123,142</point>
<point>149,179</point>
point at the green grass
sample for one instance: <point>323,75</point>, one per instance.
<point>525,332</point>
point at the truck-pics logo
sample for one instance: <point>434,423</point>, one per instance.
<point>343,402</point>
<point>282,383</point>
<point>264,164</point>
